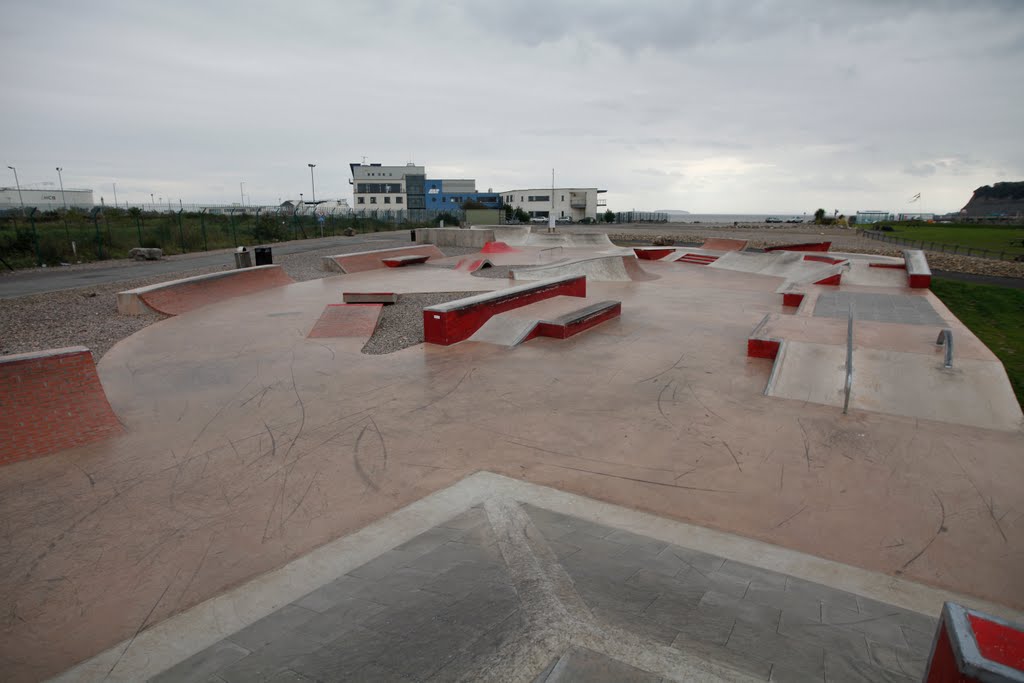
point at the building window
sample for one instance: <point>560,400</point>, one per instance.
<point>540,198</point>
<point>563,199</point>
<point>387,200</point>
<point>373,200</point>
<point>360,200</point>
<point>432,199</point>
<point>398,200</point>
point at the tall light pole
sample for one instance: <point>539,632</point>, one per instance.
<point>61,177</point>
<point>311,181</point>
<point>18,184</point>
<point>241,191</point>
<point>115,195</point>
<point>151,200</point>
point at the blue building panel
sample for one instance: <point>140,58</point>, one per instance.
<point>438,199</point>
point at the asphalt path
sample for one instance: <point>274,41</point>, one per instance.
<point>40,280</point>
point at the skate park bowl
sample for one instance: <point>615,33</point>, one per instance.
<point>248,444</point>
<point>179,296</point>
<point>51,401</point>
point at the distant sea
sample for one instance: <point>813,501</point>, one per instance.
<point>734,217</point>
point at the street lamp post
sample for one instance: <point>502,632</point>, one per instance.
<point>18,184</point>
<point>61,177</point>
<point>311,181</point>
<point>241,191</point>
<point>115,195</point>
<point>151,200</point>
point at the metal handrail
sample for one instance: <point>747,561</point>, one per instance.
<point>540,254</point>
<point>946,339</point>
<point>849,362</point>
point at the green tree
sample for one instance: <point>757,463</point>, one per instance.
<point>609,216</point>
<point>521,215</point>
<point>819,216</point>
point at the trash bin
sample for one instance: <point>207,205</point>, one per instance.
<point>264,256</point>
<point>412,235</point>
<point>243,258</point>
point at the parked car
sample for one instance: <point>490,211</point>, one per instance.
<point>773,219</point>
<point>563,219</point>
<point>539,219</point>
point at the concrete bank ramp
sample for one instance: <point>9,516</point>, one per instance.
<point>618,268</point>
<point>792,266</point>
<point>974,392</point>
<point>526,236</point>
<point>180,296</point>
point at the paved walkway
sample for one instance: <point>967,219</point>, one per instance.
<point>516,592</point>
<point>37,281</point>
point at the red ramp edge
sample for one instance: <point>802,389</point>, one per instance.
<point>805,246</point>
<point>372,260</point>
<point>51,400</point>
<point>180,296</point>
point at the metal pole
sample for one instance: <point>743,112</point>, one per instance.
<point>115,194</point>
<point>311,181</point>
<point>202,226</point>
<point>35,235</point>
<point>67,231</point>
<point>241,191</point>
<point>181,233</point>
<point>138,226</point>
<point>61,178</point>
<point>18,184</point>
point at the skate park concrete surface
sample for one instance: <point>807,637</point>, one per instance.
<point>249,449</point>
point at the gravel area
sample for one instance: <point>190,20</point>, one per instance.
<point>401,324</point>
<point>88,316</point>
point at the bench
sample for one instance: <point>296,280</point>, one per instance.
<point>401,261</point>
<point>457,320</point>
<point>919,275</point>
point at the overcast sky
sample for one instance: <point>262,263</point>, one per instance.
<point>710,107</point>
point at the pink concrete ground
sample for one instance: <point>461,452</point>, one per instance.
<point>248,445</point>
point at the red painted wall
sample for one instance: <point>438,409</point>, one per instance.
<point>49,402</point>
<point>450,327</point>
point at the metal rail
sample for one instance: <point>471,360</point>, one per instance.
<point>849,362</point>
<point>946,339</point>
<point>540,254</point>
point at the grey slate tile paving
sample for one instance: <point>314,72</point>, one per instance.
<point>828,595</point>
<point>915,620</point>
<point>446,597</point>
<point>376,673</point>
<point>746,611</point>
<point>391,588</point>
<point>877,628</point>
<point>270,659</point>
<point>267,629</point>
<point>851,670</point>
<point>579,664</point>
<point>798,604</point>
<point>838,640</point>
<point>424,651</point>
<point>793,654</point>
<point>724,656</point>
<point>341,657</point>
<point>383,564</point>
<point>330,594</point>
<point>467,520</point>
<point>761,578</point>
<point>203,664</point>
<point>428,540</point>
<point>329,625</point>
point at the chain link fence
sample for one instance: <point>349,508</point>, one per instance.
<point>928,245</point>
<point>31,237</point>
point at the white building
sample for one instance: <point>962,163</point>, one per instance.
<point>375,186</point>
<point>44,200</point>
<point>575,203</point>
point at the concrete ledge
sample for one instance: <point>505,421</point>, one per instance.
<point>175,297</point>
<point>457,320</point>
<point>359,261</point>
<point>919,275</point>
<point>455,237</point>
<point>51,401</point>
